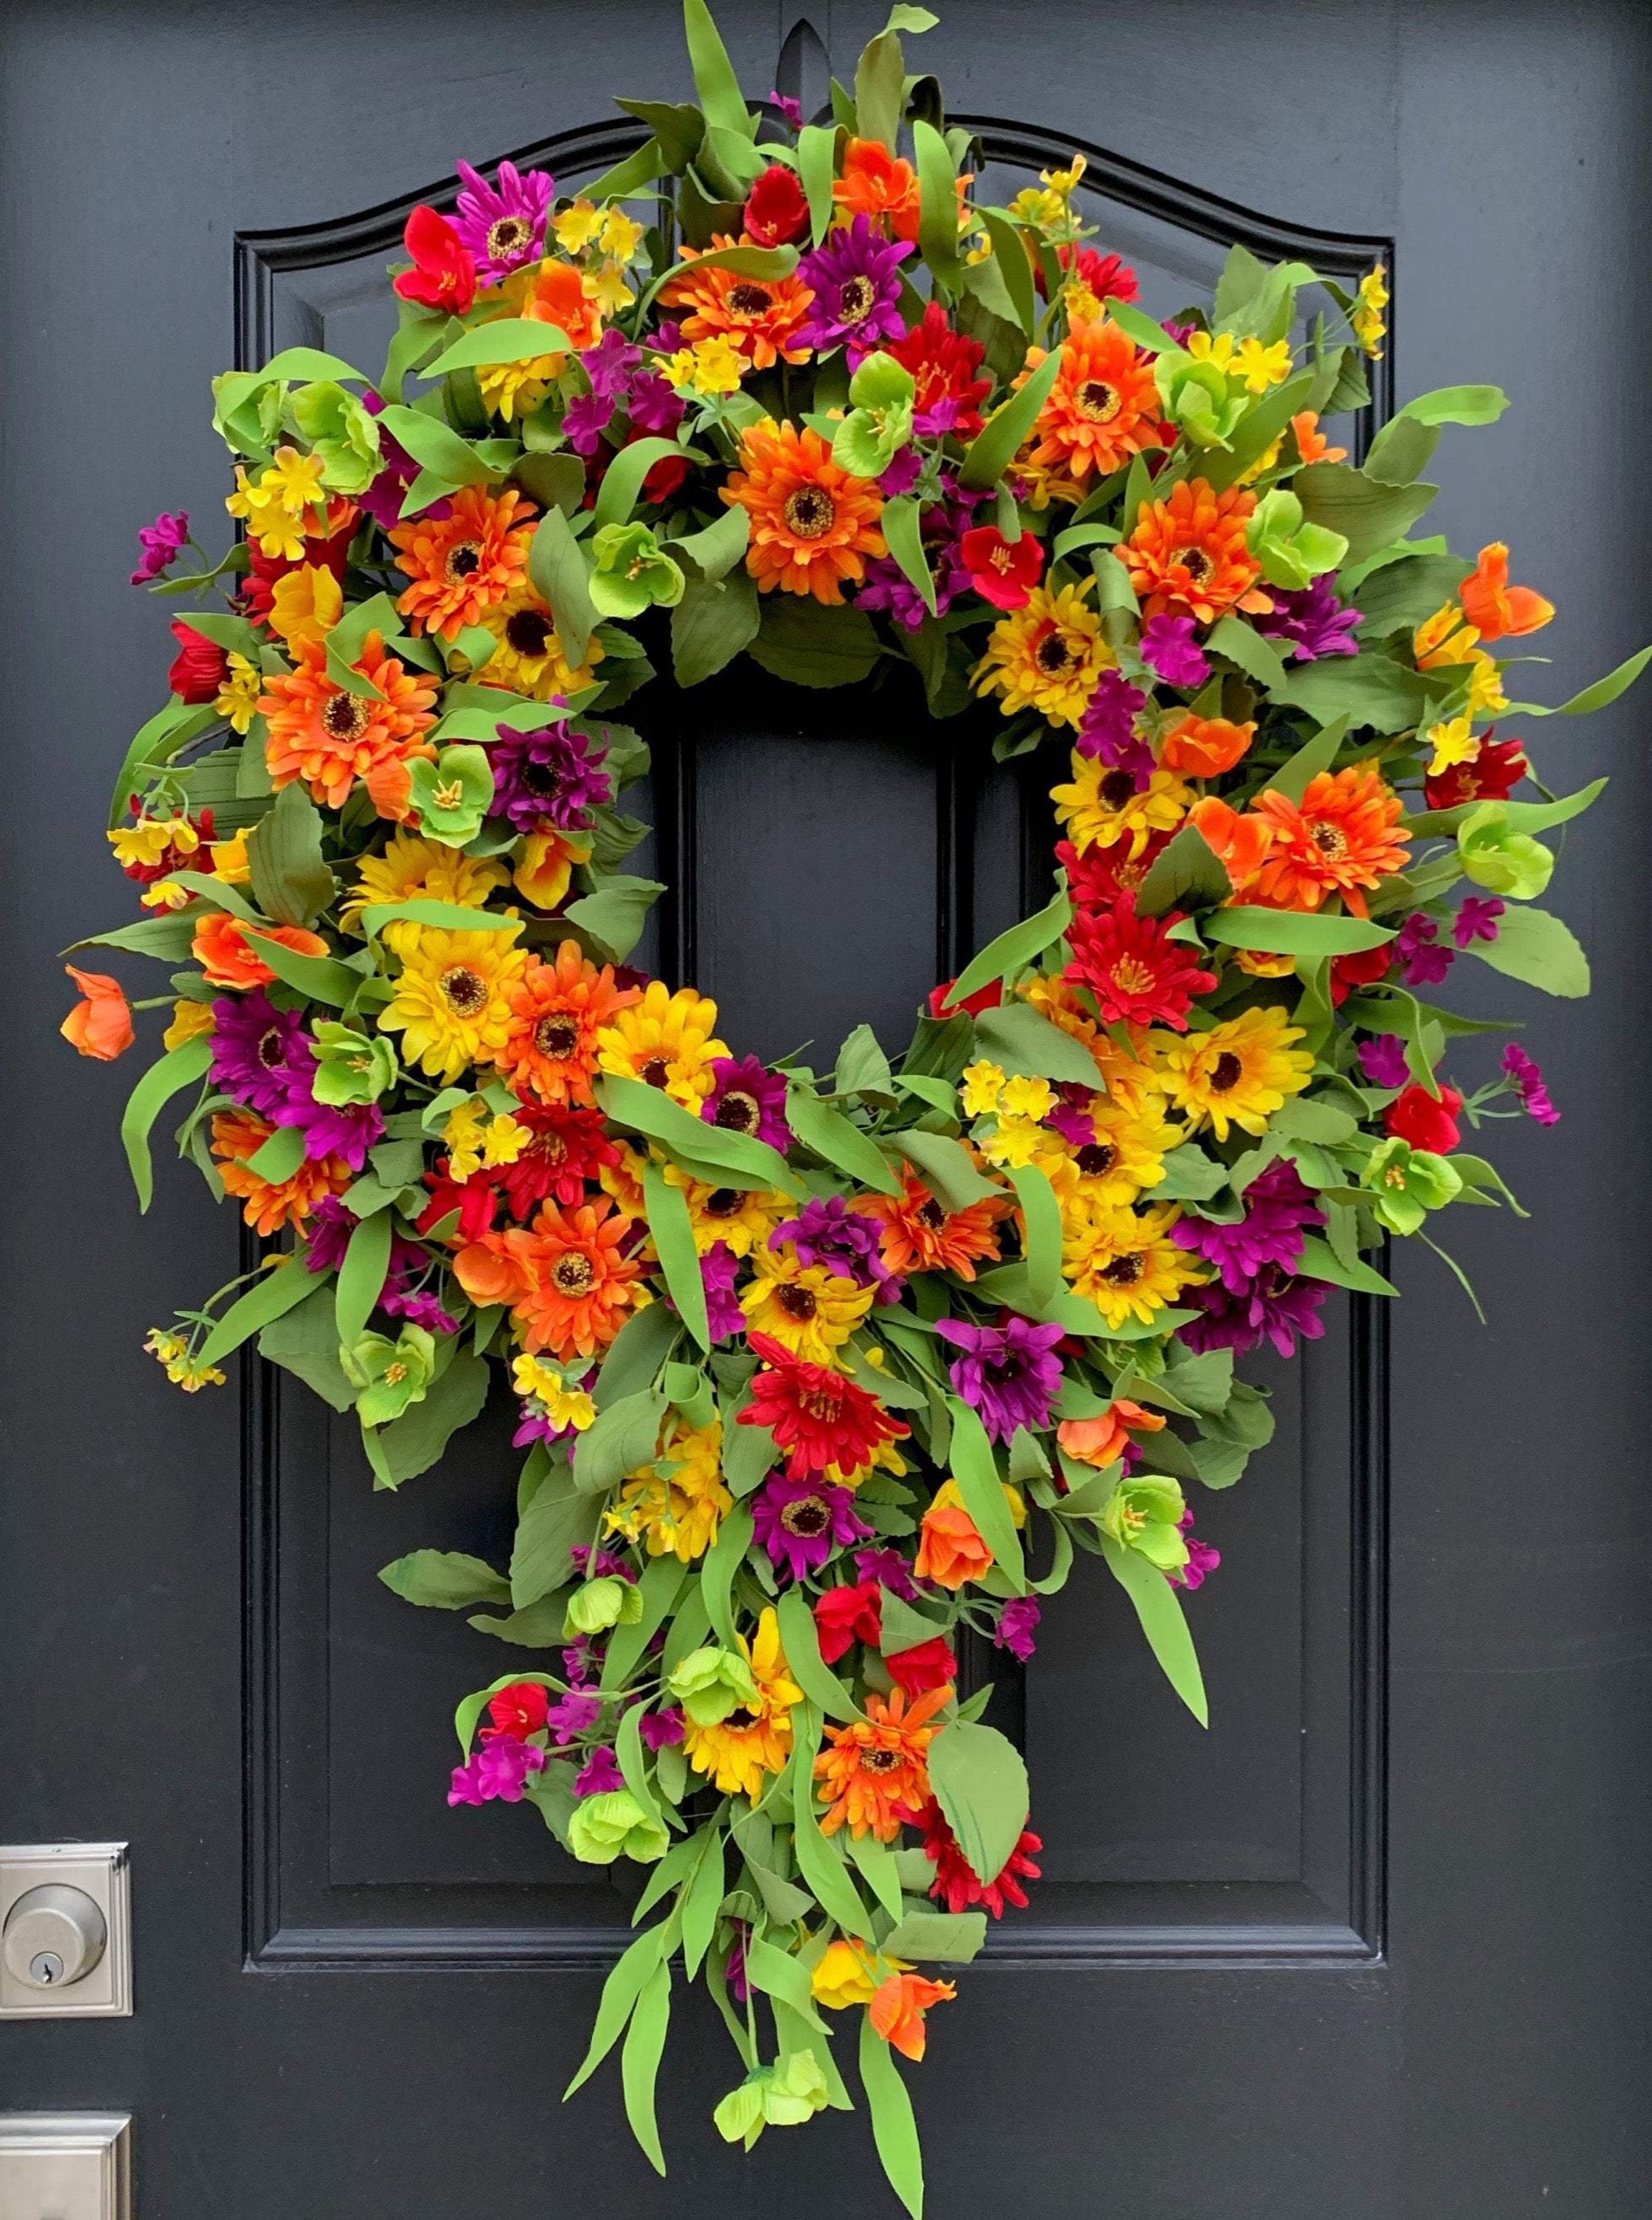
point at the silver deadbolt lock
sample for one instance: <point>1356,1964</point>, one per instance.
<point>53,1936</point>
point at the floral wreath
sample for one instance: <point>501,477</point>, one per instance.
<point>817,1371</point>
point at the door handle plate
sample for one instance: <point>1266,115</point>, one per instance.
<point>56,1878</point>
<point>65,2166</point>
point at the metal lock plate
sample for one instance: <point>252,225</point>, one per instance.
<point>70,2166</point>
<point>65,1932</point>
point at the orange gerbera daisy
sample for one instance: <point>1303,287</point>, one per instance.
<point>758,315</point>
<point>1103,407</point>
<point>566,1277</point>
<point>328,737</point>
<point>270,1204</point>
<point>1188,556</point>
<point>878,184</point>
<point>1342,838</point>
<point>557,1011</point>
<point>1204,748</point>
<point>813,524</point>
<point>898,2006</point>
<point>920,1236</point>
<point>470,559</point>
<point>876,1773</point>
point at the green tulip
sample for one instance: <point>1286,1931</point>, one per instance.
<point>1500,859</point>
<point>1145,1514</point>
<point>631,573</point>
<point>603,1828</point>
<point>453,795</point>
<point>598,1605</point>
<point>389,1374</point>
<point>1196,395</point>
<point>1406,1183</point>
<point>342,433</point>
<point>710,1683</point>
<point>351,1067</point>
<point>1292,552</point>
<point>879,423</point>
<point>784,2095</point>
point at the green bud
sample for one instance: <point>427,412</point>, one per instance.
<point>351,1066</point>
<point>710,1683</point>
<point>452,795</point>
<point>879,424</point>
<point>797,2089</point>
<point>389,1374</point>
<point>597,1604</point>
<point>1500,859</point>
<point>1196,395</point>
<point>631,572</point>
<point>603,1828</point>
<point>738,2118</point>
<point>1145,1514</point>
<point>1406,1183</point>
<point>1291,551</point>
<point>341,432</point>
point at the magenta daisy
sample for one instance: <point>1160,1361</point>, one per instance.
<point>502,225</point>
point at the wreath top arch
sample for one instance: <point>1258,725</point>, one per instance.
<point>816,1370</point>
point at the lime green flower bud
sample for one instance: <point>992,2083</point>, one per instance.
<point>389,1374</point>
<point>603,1828</point>
<point>453,795</point>
<point>632,573</point>
<point>1500,859</point>
<point>711,1683</point>
<point>1145,1514</point>
<point>879,424</point>
<point>351,1067</point>
<point>598,1605</point>
<point>341,432</point>
<point>1196,395</point>
<point>1406,1183</point>
<point>1292,552</point>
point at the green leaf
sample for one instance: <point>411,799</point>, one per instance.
<point>1042,1237</point>
<point>976,1470</point>
<point>862,1068</point>
<point>361,1276</point>
<point>1367,515</point>
<point>1186,875</point>
<point>702,1897</point>
<point>1292,779</point>
<point>894,2130</point>
<point>815,646</point>
<point>556,565</point>
<point>280,1155</point>
<point>713,621</point>
<point>1007,426</point>
<point>816,155</point>
<point>1536,946</point>
<point>1319,1261</point>
<point>801,1643</point>
<point>304,1341</point>
<point>415,1441</point>
<point>1400,594</point>
<point>673,1234</point>
<point>507,339</point>
<point>953,1938</point>
<point>1401,450</point>
<point>1457,404</point>
<point>622,480</point>
<point>777,1974</point>
<point>938,229</point>
<point>900,523</point>
<point>293,885</point>
<point>1294,932</point>
<point>320,977</point>
<point>1257,657</point>
<point>879,1870</point>
<point>445,1579</point>
<point>979,1778</point>
<point>437,448</point>
<point>624,1437</point>
<point>1018,1039</point>
<point>714,73</point>
<point>619,1993</point>
<point>614,914</point>
<point>446,917</point>
<point>1160,1614</point>
<point>946,1168</point>
<point>838,1141</point>
<point>820,1862</point>
<point>556,1520</point>
<point>153,746</point>
<point>644,1109</point>
<point>1141,327</point>
<point>1592,697</point>
<point>712,553</point>
<point>1013,951</point>
<point>718,1568</point>
<point>1370,690</point>
<point>179,1068</point>
<point>283,1286</point>
<point>880,89</point>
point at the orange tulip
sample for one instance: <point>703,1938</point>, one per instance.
<point>1311,442</point>
<point>1495,608</point>
<point>1204,748</point>
<point>951,1550</point>
<point>101,1026</point>
<point>1240,843</point>
<point>229,958</point>
<point>1103,1440</point>
<point>898,2006</point>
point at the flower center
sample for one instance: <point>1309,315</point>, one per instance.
<point>465,560</point>
<point>465,990</point>
<point>931,1214</point>
<point>797,1302</point>
<point>880,1760</point>
<point>809,512</point>
<point>740,1717</point>
<point>345,717</point>
<point>1224,1072</point>
<point>450,795</point>
<point>857,298</point>
<point>527,632</point>
<point>1131,975</point>
<point>723,1202</point>
<point>1197,564</point>
<point>822,1403</point>
<point>808,1518</point>
<point>1117,788</point>
<point>1124,1271</point>
<point>739,1113</point>
<point>1096,1157</point>
<point>1052,655</point>
<point>395,1373</point>
<point>542,780</point>
<point>557,1036</point>
<point>749,300</point>
<point>1098,401</point>
<point>508,236</point>
<point>272,1049</point>
<point>573,1273</point>
<point>1330,839</point>
<point>656,1071</point>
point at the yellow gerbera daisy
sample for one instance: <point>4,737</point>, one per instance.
<point>1047,656</point>
<point>1124,1262</point>
<point>1126,1155</point>
<point>808,1309</point>
<point>412,869</point>
<point>756,1739</point>
<point>451,1006</point>
<point>741,1218</point>
<point>1238,1074</point>
<point>624,1180</point>
<point>675,1505</point>
<point>668,1040</point>
<point>1101,806</point>
<point>530,657</point>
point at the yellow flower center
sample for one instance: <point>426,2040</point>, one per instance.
<point>465,990</point>
<point>557,1036</point>
<point>451,795</point>
<point>573,1274</point>
<point>1130,976</point>
<point>345,717</point>
<point>1098,401</point>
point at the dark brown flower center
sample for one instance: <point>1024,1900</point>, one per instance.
<point>810,512</point>
<point>573,1273</point>
<point>1224,1071</point>
<point>556,1036</point>
<point>1096,1157</point>
<point>808,1517</point>
<point>1052,655</point>
<point>739,1113</point>
<point>723,1202</point>
<point>1330,839</point>
<point>1098,401</point>
<point>345,717</point>
<point>740,1717</point>
<point>466,992</point>
<point>1124,1271</point>
<point>508,236</point>
<point>931,1214</point>
<point>797,1302</point>
<point>656,1071</point>
<point>1197,564</point>
<point>542,780</point>
<point>857,298</point>
<point>1117,788</point>
<point>465,560</point>
<point>880,1760</point>
<point>527,632</point>
<point>749,300</point>
<point>272,1048</point>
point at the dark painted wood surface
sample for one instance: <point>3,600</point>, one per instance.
<point>1377,1946</point>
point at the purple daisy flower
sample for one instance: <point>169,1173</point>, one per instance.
<point>827,1231</point>
<point>1527,1075</point>
<point>855,275</point>
<point>600,1775</point>
<point>346,1130</point>
<point>498,1769</point>
<point>800,1521</point>
<point>502,225</point>
<point>746,1097</point>
<point>1273,1308</point>
<point>1383,1061</point>
<point>1476,919</point>
<point>1278,1210</point>
<point>1169,648</point>
<point>719,1269</point>
<point>1108,729</point>
<point>1313,622</point>
<point>1017,1624</point>
<point>653,405</point>
<point>1010,1374</point>
<point>257,1051</point>
<point>551,773</point>
<point>1202,1559</point>
<point>160,542</point>
<point>890,1570</point>
<point>330,1227</point>
<point>887,586</point>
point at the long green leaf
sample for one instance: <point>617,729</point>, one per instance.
<point>1007,427</point>
<point>623,479</point>
<point>1012,951</point>
<point>820,1861</point>
<point>902,532</point>
<point>718,1568</point>
<point>507,339</point>
<point>1592,697</point>
<point>946,1168</point>
<point>976,1470</point>
<point>179,1068</point>
<point>1160,1614</point>
<point>1043,1232</point>
<point>714,73</point>
<point>281,1287</point>
<point>894,2129</point>
<point>555,564</point>
<point>837,1140</point>
<point>979,1778</point>
<point>619,1993</point>
<point>644,1109</point>
<point>1292,932</point>
<point>361,1276</point>
<point>672,1229</point>
<point>938,233</point>
<point>801,1643</point>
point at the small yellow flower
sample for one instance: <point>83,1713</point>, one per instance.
<point>675,1506</point>
<point>1215,347</point>
<point>230,861</point>
<point>1369,326</point>
<point>1016,1142</point>
<point>544,869</point>
<point>189,1021</point>
<point>1453,743</point>
<point>983,1083</point>
<point>306,604</point>
<point>1024,1097</point>
<point>619,236</point>
<point>166,894</point>
<point>172,1349</point>
<point>606,286</point>
<point>563,1405</point>
<point>463,1133</point>
<point>715,365</point>
<point>577,225</point>
<point>505,1140</point>
<point>148,841</point>
<point>845,1976</point>
<point>238,697</point>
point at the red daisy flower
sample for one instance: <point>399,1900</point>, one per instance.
<point>1096,881</point>
<point>822,1418</point>
<point>956,1883</point>
<point>569,1148</point>
<point>1494,775</point>
<point>845,1615</point>
<point>1135,972</point>
<point>944,364</point>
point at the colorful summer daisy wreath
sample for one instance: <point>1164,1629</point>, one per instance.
<point>816,1372</point>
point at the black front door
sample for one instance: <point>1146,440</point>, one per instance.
<point>1375,1947</point>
